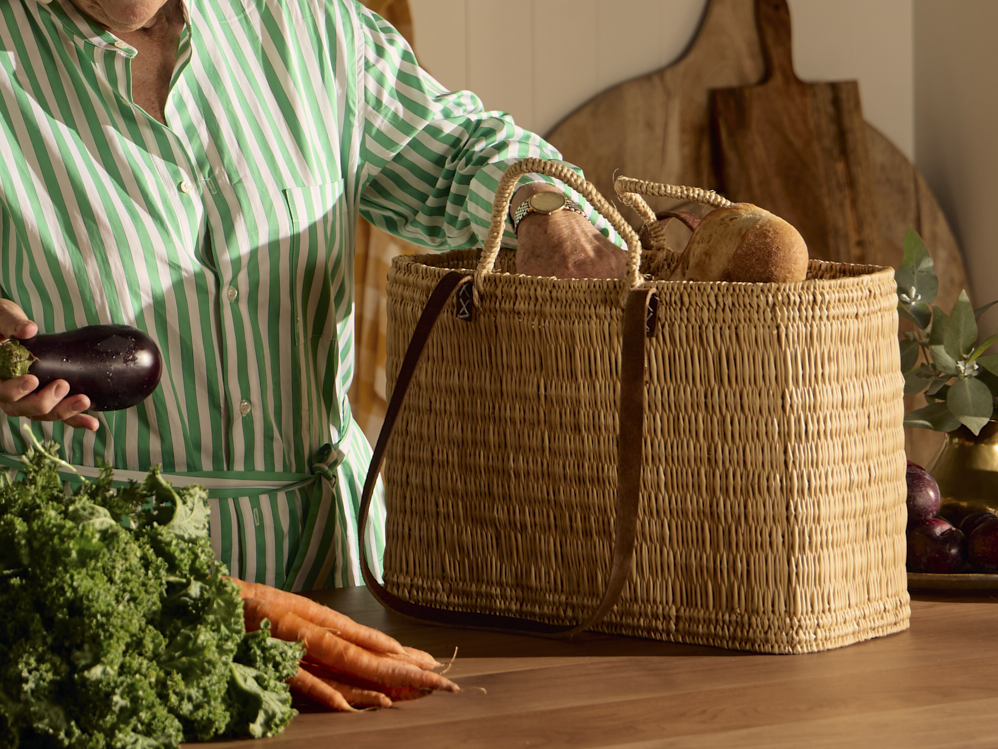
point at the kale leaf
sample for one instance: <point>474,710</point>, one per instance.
<point>120,629</point>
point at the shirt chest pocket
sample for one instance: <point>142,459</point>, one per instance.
<point>320,262</point>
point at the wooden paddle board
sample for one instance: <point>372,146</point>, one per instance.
<point>798,149</point>
<point>652,127</point>
<point>657,127</point>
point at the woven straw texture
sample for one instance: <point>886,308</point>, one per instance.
<point>772,510</point>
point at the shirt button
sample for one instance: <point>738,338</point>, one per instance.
<point>121,45</point>
<point>186,187</point>
<point>231,293</point>
<point>244,406</point>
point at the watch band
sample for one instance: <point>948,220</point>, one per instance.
<point>526,208</point>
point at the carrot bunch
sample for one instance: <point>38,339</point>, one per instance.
<point>346,665</point>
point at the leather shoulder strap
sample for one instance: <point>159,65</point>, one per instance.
<point>629,464</point>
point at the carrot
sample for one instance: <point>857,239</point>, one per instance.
<point>355,696</point>
<point>393,694</point>
<point>416,658</point>
<point>337,623</point>
<point>315,688</point>
<point>338,654</point>
<point>323,616</point>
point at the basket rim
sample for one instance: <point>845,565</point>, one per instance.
<point>860,273</point>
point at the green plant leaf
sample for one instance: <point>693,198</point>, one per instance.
<point>981,310</point>
<point>937,349</point>
<point>938,326</point>
<point>920,314</point>
<point>938,388</point>
<point>979,351</point>
<point>933,416</point>
<point>971,402</point>
<point>989,362</point>
<point>960,331</point>
<point>989,379</point>
<point>917,380</point>
<point>904,277</point>
<point>909,354</point>
<point>943,361</point>
<point>915,272</point>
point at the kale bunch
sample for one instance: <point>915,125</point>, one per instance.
<point>119,628</point>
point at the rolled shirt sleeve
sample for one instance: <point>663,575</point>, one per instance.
<point>433,158</point>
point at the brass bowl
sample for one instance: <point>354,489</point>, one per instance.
<point>966,469</point>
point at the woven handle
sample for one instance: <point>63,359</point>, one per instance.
<point>631,190</point>
<point>504,194</point>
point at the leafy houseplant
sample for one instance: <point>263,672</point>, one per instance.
<point>942,358</point>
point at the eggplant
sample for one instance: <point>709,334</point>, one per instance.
<point>116,366</point>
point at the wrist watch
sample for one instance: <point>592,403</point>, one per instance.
<point>544,203</point>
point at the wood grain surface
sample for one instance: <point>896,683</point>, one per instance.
<point>798,149</point>
<point>657,128</point>
<point>931,686</point>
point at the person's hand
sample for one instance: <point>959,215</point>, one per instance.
<point>564,244</point>
<point>20,396</point>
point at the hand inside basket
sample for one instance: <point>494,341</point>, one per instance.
<point>564,244</point>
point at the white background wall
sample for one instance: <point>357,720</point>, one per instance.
<point>491,46</point>
<point>956,127</point>
<point>925,70</point>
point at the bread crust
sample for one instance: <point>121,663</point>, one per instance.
<point>744,243</point>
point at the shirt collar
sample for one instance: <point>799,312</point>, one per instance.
<point>81,27</point>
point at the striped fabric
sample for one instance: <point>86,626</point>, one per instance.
<point>228,235</point>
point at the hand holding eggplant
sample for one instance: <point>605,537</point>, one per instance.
<point>21,396</point>
<point>58,377</point>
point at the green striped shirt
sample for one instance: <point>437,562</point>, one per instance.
<point>227,235</point>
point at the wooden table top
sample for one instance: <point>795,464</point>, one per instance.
<point>933,685</point>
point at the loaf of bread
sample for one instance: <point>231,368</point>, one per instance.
<point>744,243</point>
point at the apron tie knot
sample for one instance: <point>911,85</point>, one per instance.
<point>326,460</point>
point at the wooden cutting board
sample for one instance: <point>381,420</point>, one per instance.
<point>798,149</point>
<point>653,127</point>
<point>657,127</point>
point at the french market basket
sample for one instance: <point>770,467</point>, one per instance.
<point>726,469</point>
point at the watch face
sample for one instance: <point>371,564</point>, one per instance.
<point>547,202</point>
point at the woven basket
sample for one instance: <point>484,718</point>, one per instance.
<point>768,509</point>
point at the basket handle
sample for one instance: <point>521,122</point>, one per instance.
<point>631,410</point>
<point>504,194</point>
<point>630,192</point>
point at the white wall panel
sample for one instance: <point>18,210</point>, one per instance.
<point>500,39</point>
<point>441,40</point>
<point>642,36</point>
<point>564,58</point>
<point>956,111</point>
<point>610,41</point>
